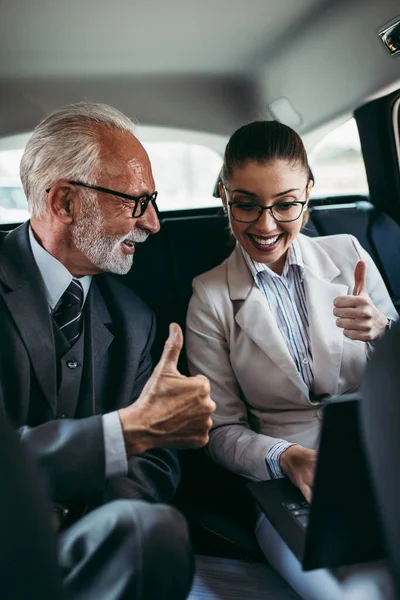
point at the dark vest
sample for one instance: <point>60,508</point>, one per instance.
<point>75,395</point>
<point>70,369</point>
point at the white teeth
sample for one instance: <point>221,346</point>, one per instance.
<point>265,242</point>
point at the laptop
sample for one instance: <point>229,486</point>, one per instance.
<point>341,525</point>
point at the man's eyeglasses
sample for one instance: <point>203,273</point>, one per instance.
<point>250,212</point>
<point>140,202</point>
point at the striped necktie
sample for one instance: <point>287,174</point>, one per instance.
<point>68,314</point>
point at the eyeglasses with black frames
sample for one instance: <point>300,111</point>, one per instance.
<point>247,211</point>
<point>140,203</point>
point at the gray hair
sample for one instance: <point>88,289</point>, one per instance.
<point>66,145</point>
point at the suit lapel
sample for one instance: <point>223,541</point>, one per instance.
<point>326,338</point>
<point>256,320</point>
<point>101,323</point>
<point>98,338</point>
<point>25,298</point>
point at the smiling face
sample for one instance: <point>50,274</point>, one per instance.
<point>104,230</point>
<point>266,184</point>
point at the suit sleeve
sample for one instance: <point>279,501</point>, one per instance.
<point>28,549</point>
<point>233,444</point>
<point>71,453</point>
<point>154,475</point>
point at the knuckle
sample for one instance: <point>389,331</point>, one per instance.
<point>209,423</point>
<point>206,387</point>
<point>368,325</point>
<point>205,439</point>
<point>211,404</point>
<point>203,385</point>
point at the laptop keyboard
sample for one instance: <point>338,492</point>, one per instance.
<point>299,511</point>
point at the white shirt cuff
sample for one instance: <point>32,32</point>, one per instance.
<point>114,446</point>
<point>273,457</point>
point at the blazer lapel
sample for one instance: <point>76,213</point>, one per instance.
<point>256,320</point>
<point>326,337</point>
<point>25,299</point>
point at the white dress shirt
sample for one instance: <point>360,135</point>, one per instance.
<point>56,279</point>
<point>286,300</point>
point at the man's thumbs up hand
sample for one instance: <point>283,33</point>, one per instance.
<point>172,350</point>
<point>356,314</point>
<point>172,410</point>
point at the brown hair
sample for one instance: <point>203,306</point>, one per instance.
<point>265,141</point>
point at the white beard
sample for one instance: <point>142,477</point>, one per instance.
<point>103,251</point>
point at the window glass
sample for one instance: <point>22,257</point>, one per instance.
<point>13,204</point>
<point>185,174</point>
<point>337,163</point>
<point>396,127</point>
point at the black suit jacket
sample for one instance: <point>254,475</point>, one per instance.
<point>28,549</point>
<point>119,331</point>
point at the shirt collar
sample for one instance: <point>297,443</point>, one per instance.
<point>55,276</point>
<point>293,258</point>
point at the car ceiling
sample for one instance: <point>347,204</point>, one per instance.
<point>208,66</point>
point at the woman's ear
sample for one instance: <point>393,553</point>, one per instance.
<point>221,192</point>
<point>310,186</point>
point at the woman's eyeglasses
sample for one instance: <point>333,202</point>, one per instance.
<point>245,211</point>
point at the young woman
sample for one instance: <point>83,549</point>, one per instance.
<point>284,322</point>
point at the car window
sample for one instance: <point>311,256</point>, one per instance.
<point>337,163</point>
<point>13,204</point>
<point>396,127</point>
<point>184,172</point>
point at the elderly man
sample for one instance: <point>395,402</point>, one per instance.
<point>85,400</point>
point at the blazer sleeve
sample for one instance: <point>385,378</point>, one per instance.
<point>233,444</point>
<point>375,284</point>
<point>71,452</point>
<point>153,475</point>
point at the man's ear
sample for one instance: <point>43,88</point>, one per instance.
<point>62,203</point>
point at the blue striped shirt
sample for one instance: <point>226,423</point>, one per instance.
<point>286,299</point>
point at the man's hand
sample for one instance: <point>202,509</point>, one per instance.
<point>357,315</point>
<point>172,410</point>
<point>299,464</point>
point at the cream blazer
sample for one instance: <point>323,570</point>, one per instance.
<point>232,338</point>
